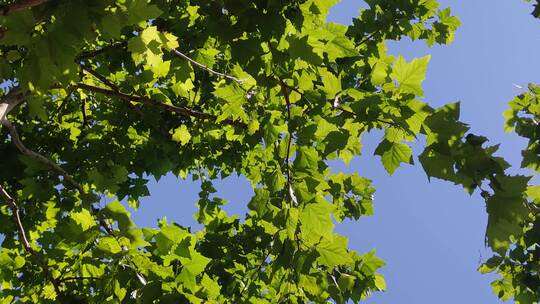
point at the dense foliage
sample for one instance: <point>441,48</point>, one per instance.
<point>95,102</point>
<point>518,261</point>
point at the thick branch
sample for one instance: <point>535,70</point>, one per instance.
<point>202,66</point>
<point>151,102</point>
<point>19,6</point>
<point>10,101</point>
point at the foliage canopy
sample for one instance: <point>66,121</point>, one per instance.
<point>99,96</point>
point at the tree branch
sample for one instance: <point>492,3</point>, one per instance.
<point>91,54</point>
<point>367,38</point>
<point>151,102</point>
<point>77,279</point>
<point>19,6</point>
<point>24,240</point>
<point>94,53</point>
<point>15,138</point>
<point>111,85</point>
<point>9,102</point>
<point>17,219</point>
<point>289,141</point>
<point>58,111</point>
<point>177,53</point>
<point>100,77</point>
<point>202,66</point>
<point>390,123</point>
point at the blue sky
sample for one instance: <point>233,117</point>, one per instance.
<point>431,234</point>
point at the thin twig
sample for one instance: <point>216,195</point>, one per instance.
<point>91,54</point>
<point>77,278</point>
<point>151,102</point>
<point>288,155</point>
<point>17,219</point>
<point>367,38</point>
<point>94,53</point>
<point>58,111</point>
<point>67,178</point>
<point>202,66</point>
<point>84,116</point>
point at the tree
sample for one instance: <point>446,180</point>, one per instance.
<point>97,101</point>
<point>518,260</point>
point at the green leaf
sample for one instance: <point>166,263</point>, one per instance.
<point>231,93</point>
<point>253,127</point>
<point>49,292</point>
<point>316,222</point>
<point>191,269</point>
<point>168,236</point>
<point>140,10</point>
<point>109,245</point>
<point>84,219</point>
<point>393,154</point>
<point>379,73</point>
<point>507,210</point>
<point>260,201</point>
<point>331,83</point>
<point>346,281</point>
<point>334,252</point>
<point>211,287</point>
<point>234,98</point>
<point>380,283</point>
<point>410,75</point>
<point>306,159</point>
<point>324,128</point>
<point>181,135</point>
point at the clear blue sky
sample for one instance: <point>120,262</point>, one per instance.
<point>431,234</point>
